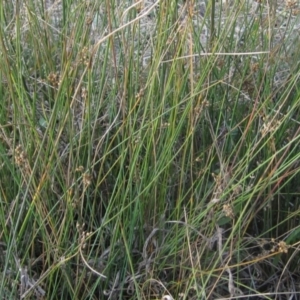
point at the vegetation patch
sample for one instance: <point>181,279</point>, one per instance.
<point>149,149</point>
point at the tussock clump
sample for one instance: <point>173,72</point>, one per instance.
<point>149,149</point>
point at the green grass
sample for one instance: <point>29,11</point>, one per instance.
<point>140,159</point>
